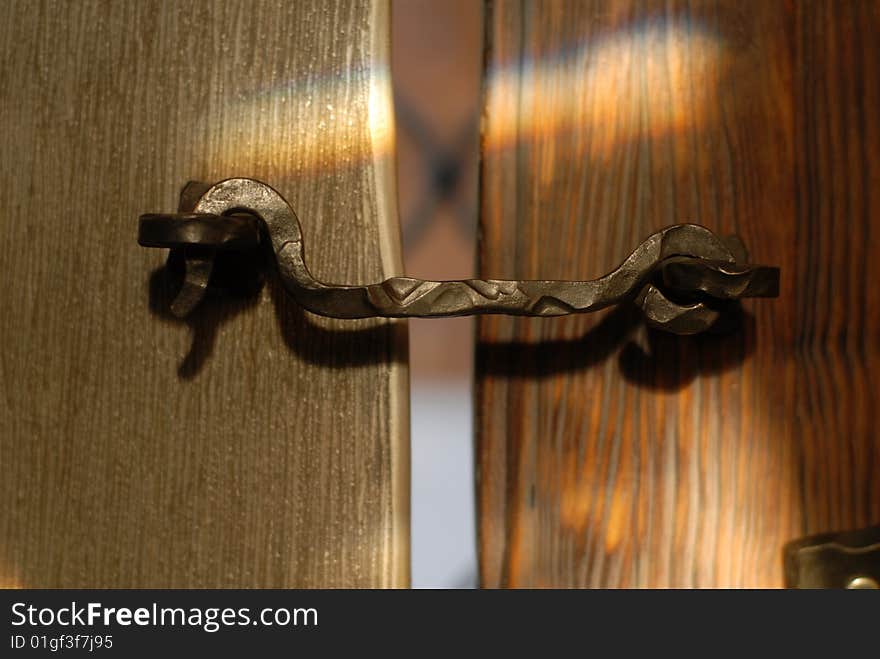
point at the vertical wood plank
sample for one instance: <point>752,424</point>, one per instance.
<point>837,160</point>
<point>612,456</point>
<point>255,445</point>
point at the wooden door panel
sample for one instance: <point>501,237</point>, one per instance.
<point>255,445</point>
<point>612,456</point>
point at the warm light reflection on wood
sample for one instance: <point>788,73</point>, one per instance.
<point>319,125</point>
<point>642,81</point>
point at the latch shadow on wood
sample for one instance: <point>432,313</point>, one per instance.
<point>682,277</point>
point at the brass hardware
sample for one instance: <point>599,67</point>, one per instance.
<point>862,583</point>
<point>681,277</point>
<point>834,560</point>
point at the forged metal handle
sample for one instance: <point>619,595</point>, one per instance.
<point>685,262</point>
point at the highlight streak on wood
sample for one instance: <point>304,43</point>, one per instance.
<point>613,457</point>
<point>257,446</point>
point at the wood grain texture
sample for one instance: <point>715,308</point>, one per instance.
<point>611,456</point>
<point>257,445</point>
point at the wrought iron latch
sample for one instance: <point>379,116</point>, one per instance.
<point>850,559</point>
<point>681,277</point>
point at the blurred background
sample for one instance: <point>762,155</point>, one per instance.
<point>436,62</point>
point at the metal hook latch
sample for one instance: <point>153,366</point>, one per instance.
<point>679,276</point>
<point>850,559</point>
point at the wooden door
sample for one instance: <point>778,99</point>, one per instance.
<point>256,445</point>
<point>610,456</point>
